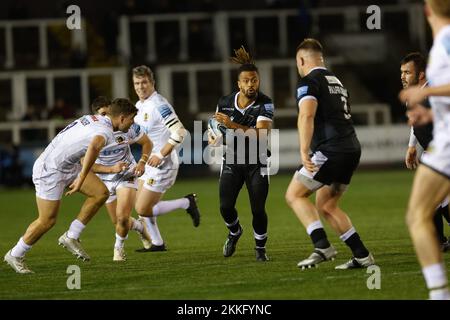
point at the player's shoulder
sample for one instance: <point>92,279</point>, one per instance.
<point>227,100</point>
<point>263,99</point>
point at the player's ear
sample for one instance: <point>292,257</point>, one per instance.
<point>421,75</point>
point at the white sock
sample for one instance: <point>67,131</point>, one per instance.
<point>440,294</point>
<point>347,234</point>
<point>152,228</point>
<point>163,207</point>
<point>76,227</point>
<point>20,249</point>
<point>120,241</point>
<point>436,279</point>
<point>314,226</point>
<point>136,225</point>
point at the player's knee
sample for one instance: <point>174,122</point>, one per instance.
<point>102,195</point>
<point>327,208</point>
<point>290,198</point>
<point>122,221</point>
<point>142,210</point>
<point>416,217</point>
<point>47,223</point>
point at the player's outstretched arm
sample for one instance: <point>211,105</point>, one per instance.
<point>97,143</point>
<point>417,94</point>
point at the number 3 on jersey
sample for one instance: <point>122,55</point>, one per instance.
<point>347,114</point>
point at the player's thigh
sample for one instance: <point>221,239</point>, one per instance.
<point>230,184</point>
<point>47,209</point>
<point>329,196</point>
<point>428,190</point>
<point>146,199</point>
<point>125,201</point>
<point>93,186</point>
<point>257,186</point>
<point>298,188</point>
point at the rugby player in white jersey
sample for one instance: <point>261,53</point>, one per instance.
<point>159,121</point>
<point>432,180</point>
<point>118,170</point>
<point>59,166</point>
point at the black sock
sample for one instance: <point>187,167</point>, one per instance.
<point>356,245</point>
<point>235,228</point>
<point>319,239</point>
<point>261,243</point>
<point>439,224</point>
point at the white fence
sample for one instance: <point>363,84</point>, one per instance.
<point>221,31</point>
<point>78,38</point>
<point>18,79</point>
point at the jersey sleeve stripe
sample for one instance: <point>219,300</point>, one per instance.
<point>306,98</point>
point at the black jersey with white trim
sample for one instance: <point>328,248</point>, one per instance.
<point>424,133</point>
<point>333,125</point>
<point>261,109</point>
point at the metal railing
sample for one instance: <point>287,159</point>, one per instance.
<point>221,31</point>
<point>19,85</point>
<point>78,38</point>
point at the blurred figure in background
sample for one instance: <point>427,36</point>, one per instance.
<point>61,110</point>
<point>412,71</point>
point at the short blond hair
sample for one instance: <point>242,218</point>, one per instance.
<point>440,7</point>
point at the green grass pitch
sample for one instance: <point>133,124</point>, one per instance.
<point>194,268</point>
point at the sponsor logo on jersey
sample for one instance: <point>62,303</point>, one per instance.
<point>84,121</point>
<point>333,80</point>
<point>302,91</point>
<point>120,139</point>
<point>146,116</point>
<point>165,111</point>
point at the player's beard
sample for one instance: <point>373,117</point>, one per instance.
<point>251,95</point>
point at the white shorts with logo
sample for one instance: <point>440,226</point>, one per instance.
<point>113,186</point>
<point>50,183</point>
<point>437,156</point>
<point>162,178</point>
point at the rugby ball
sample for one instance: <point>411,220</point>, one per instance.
<point>216,128</point>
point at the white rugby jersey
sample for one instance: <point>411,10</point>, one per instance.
<point>119,150</point>
<point>71,143</point>
<point>438,73</point>
<point>154,115</point>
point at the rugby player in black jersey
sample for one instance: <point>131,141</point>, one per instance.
<point>412,68</point>
<point>249,113</point>
<point>330,153</point>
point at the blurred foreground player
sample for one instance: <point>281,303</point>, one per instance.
<point>432,180</point>
<point>412,68</point>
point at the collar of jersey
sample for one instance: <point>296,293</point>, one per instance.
<point>149,97</point>
<point>316,68</point>
<point>236,104</point>
<point>108,121</point>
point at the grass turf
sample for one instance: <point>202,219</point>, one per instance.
<point>194,268</point>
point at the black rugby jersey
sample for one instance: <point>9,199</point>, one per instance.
<point>424,134</point>
<point>333,125</point>
<point>261,109</point>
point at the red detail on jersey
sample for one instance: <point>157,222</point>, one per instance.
<point>94,118</point>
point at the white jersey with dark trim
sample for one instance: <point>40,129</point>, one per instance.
<point>155,116</point>
<point>71,143</point>
<point>119,150</point>
<point>438,73</point>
